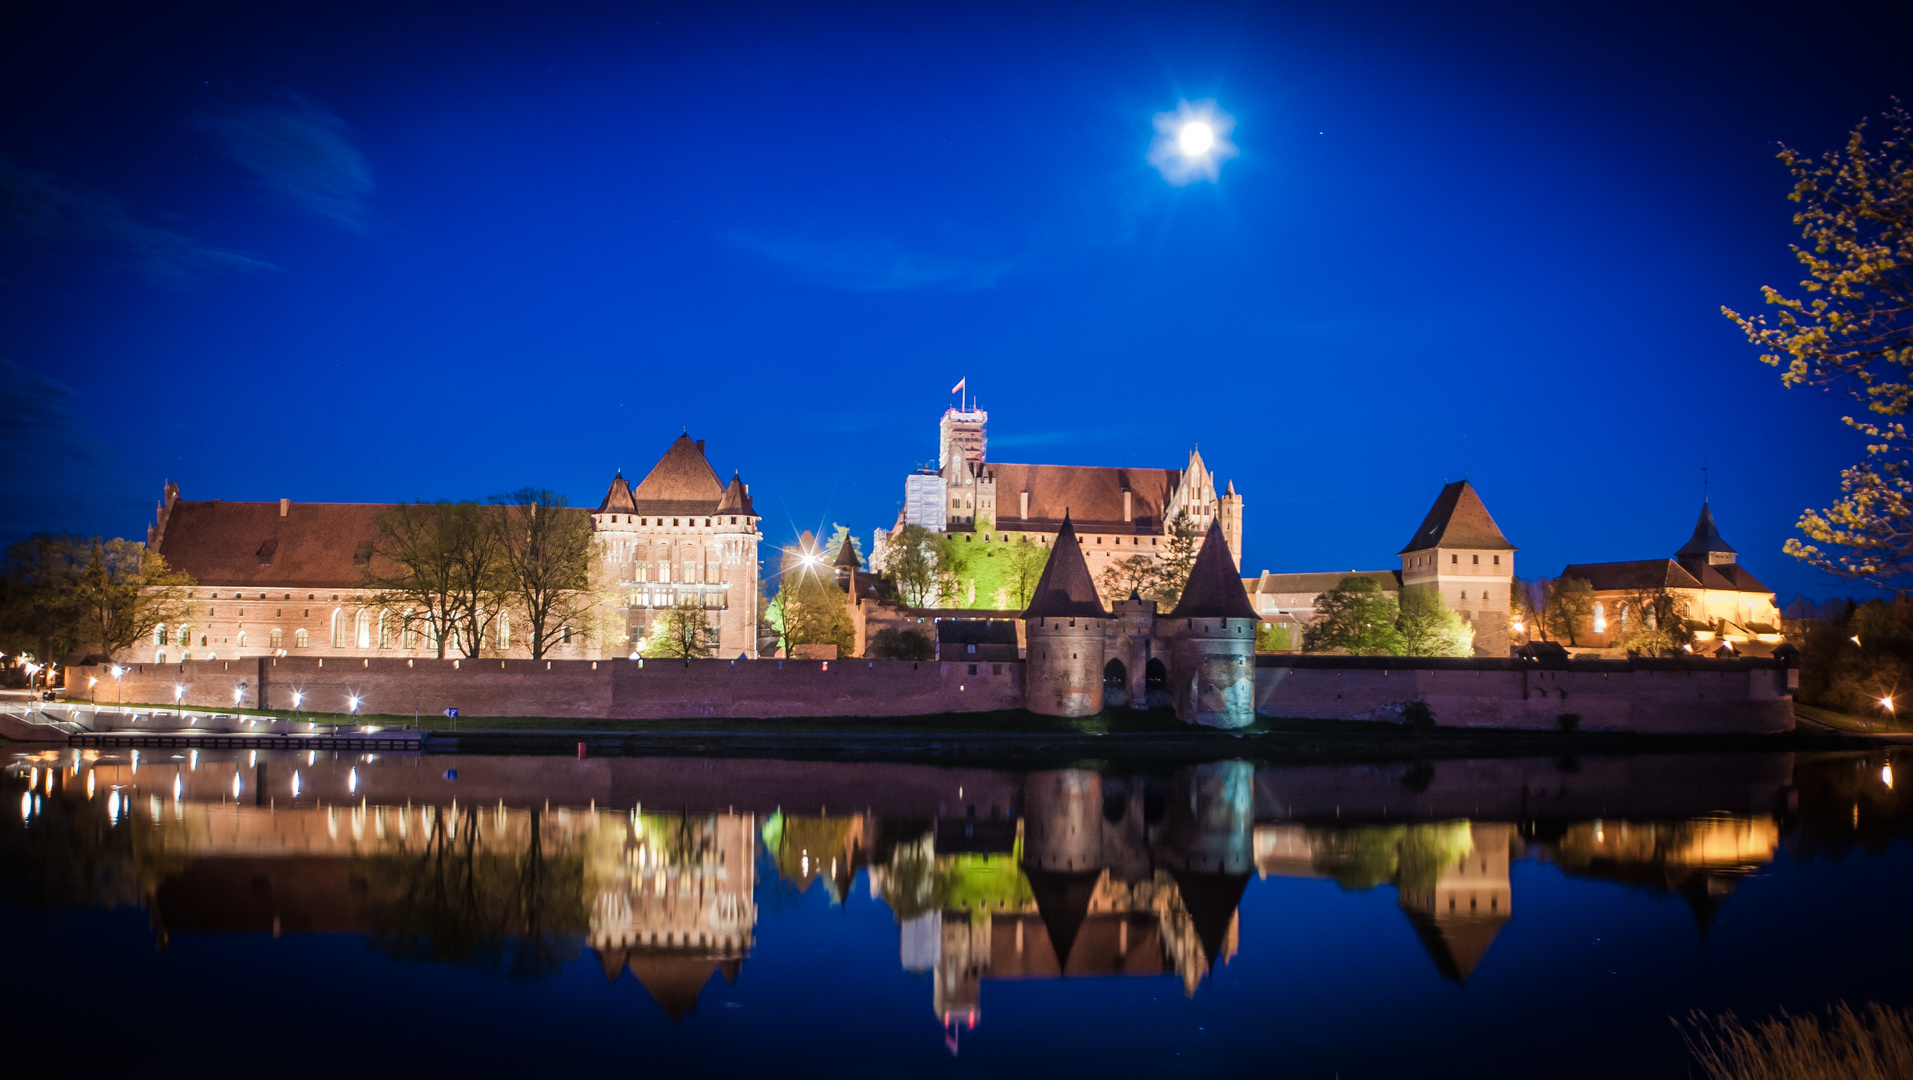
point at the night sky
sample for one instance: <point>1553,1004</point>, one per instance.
<point>334,252</point>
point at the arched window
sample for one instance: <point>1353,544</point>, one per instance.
<point>159,635</point>
<point>408,631</point>
<point>362,628</point>
<point>385,629</point>
<point>161,658</point>
<point>241,640</point>
<point>277,639</point>
<point>504,631</point>
<point>1600,618</point>
<point>300,638</point>
<point>185,636</point>
<point>341,629</point>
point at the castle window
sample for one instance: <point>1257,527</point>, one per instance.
<point>564,635</point>
<point>1464,594</point>
<point>362,629</point>
<point>504,631</point>
<point>1453,559</point>
<point>277,639</point>
<point>300,638</point>
<point>1497,560</point>
<point>161,658</point>
<point>159,634</point>
<point>242,639</point>
<point>1477,560</point>
<point>185,636</point>
<point>341,629</point>
<point>1600,618</point>
<point>385,630</point>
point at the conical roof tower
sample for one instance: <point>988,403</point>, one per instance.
<point>1066,591</point>
<point>1214,589</point>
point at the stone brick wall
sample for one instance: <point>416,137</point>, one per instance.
<point>1650,696</point>
<point>586,689</point>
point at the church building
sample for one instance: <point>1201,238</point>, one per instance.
<point>1726,605</point>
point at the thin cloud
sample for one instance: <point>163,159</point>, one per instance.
<point>298,151</point>
<point>876,265</point>
<point>38,207</point>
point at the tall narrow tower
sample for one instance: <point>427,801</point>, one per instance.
<point>1459,551</point>
<point>1064,623</point>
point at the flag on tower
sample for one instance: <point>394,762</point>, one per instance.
<point>959,386</point>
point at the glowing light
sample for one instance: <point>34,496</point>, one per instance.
<point>1192,142</point>
<point>295,783</point>
<point>1195,139</point>
<point>1855,639</point>
<point>89,784</point>
<point>352,705</point>
<point>1886,775</point>
<point>178,786</point>
<point>352,781</point>
<point>235,784</point>
<point>179,694</point>
<point>1887,703</point>
<point>297,697</point>
<point>113,808</point>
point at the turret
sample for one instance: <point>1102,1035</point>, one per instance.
<point>1064,625</point>
<point>1212,632</point>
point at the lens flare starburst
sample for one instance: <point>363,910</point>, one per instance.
<point>1192,142</point>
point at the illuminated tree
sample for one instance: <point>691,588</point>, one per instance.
<point>546,565</point>
<point>1357,617</point>
<point>1656,622</point>
<point>1570,607</point>
<point>67,592</point>
<point>1430,627</point>
<point>1851,327</point>
<point>680,632</point>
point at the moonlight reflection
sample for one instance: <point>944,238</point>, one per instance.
<point>1192,142</point>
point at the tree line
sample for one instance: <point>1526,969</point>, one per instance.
<point>63,594</point>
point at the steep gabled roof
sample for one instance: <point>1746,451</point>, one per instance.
<point>737,498</point>
<point>1458,520</point>
<point>847,556</point>
<point>1706,538</point>
<point>1213,590</point>
<point>617,500</point>
<point>682,482</point>
<point>1066,591</point>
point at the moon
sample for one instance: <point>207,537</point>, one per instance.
<point>1195,139</point>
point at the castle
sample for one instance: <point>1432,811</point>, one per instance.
<point>291,578</point>
<point>1118,513</point>
<point>1727,607</point>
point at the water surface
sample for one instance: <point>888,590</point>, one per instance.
<point>303,914</point>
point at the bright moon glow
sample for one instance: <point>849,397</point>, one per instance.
<point>1195,139</point>
<point>1192,142</point>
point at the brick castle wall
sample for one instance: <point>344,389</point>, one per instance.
<point>1648,696</point>
<point>585,689</point>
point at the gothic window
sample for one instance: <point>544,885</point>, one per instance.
<point>277,639</point>
<point>159,635</point>
<point>362,629</point>
<point>300,638</point>
<point>504,631</point>
<point>385,630</point>
<point>341,629</point>
<point>185,636</point>
<point>1600,618</point>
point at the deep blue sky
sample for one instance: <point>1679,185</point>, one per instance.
<point>393,251</point>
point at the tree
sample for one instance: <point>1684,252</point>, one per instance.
<point>438,565</point>
<point>1357,617</point>
<point>894,643</point>
<point>1570,605</point>
<point>1654,623</point>
<point>65,592</point>
<point>1172,572</point>
<point>1023,569</point>
<point>1134,574</point>
<point>546,555</point>
<point>1526,604</point>
<point>910,564</point>
<point>811,610</point>
<point>680,632</point>
<point>1852,328</point>
<point>1430,627</point>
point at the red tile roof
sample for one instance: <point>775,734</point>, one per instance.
<point>1458,520</point>
<point>1090,495</point>
<point>1213,590</point>
<point>247,544</point>
<point>1065,591</point>
<point>682,482</point>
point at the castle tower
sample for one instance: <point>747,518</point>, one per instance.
<point>1459,550</point>
<point>1064,625</point>
<point>1212,641</point>
<point>1705,545</point>
<point>1229,512</point>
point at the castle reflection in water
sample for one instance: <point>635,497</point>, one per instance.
<point>519,865</point>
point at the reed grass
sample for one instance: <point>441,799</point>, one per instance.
<point>1873,1044</point>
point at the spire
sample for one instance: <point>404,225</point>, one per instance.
<point>1066,591</point>
<point>617,500</point>
<point>737,498</point>
<point>1214,589</point>
<point>847,556</point>
<point>1458,520</point>
<point>1706,540</point>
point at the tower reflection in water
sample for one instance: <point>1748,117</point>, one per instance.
<point>1044,875</point>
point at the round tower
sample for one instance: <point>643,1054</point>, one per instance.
<point>1212,633</point>
<point>1064,626</point>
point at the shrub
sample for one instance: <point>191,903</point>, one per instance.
<point>892,643</point>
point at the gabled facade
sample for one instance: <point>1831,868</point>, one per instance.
<point>682,535</point>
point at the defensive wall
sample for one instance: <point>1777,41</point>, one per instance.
<point>1651,696</point>
<point>584,689</point>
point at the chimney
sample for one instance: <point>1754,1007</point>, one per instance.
<point>700,448</point>
<point>285,505</point>
<point>1025,513</point>
<point>1126,513</point>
